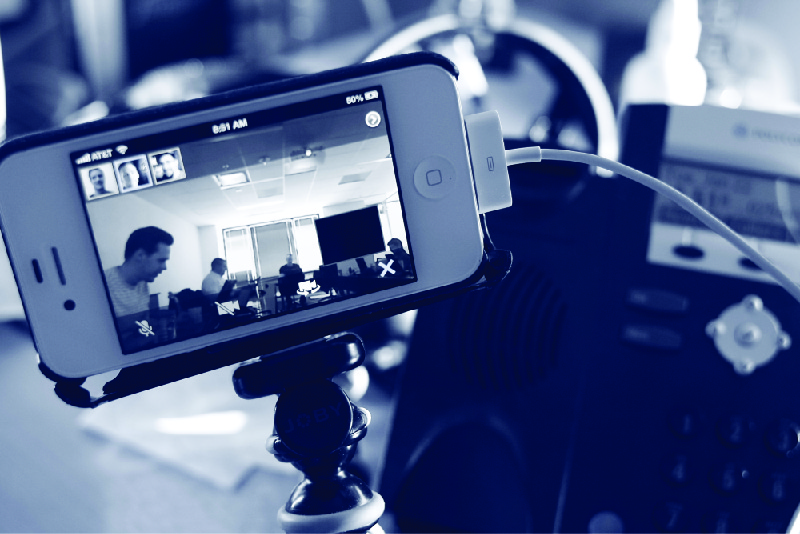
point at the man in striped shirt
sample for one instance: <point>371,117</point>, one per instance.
<point>146,253</point>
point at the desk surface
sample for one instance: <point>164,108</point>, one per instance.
<point>60,474</point>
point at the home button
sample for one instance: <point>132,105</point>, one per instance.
<point>434,177</point>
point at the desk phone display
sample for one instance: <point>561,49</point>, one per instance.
<point>296,233</point>
<point>634,372</point>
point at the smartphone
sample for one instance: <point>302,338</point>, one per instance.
<point>176,229</point>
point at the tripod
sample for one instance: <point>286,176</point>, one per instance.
<point>317,429</point>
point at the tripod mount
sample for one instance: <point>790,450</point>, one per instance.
<point>317,429</point>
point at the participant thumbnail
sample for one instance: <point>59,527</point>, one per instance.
<point>133,173</point>
<point>167,166</point>
<point>98,181</point>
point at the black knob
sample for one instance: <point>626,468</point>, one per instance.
<point>313,418</point>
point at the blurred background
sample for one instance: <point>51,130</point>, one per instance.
<point>123,467</point>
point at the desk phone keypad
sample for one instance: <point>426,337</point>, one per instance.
<point>725,471</point>
<point>739,463</point>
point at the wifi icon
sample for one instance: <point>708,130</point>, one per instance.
<point>122,149</point>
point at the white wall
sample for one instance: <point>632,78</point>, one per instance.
<point>210,246</point>
<point>395,226</point>
<point>767,50</point>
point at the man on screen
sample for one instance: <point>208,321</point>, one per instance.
<point>98,179</point>
<point>128,175</point>
<point>290,267</point>
<point>215,280</point>
<point>402,260</point>
<point>170,167</point>
<point>289,277</point>
<point>215,289</point>
<point>146,253</point>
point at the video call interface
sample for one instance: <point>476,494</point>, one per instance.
<point>219,225</point>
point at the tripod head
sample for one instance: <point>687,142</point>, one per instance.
<point>317,429</point>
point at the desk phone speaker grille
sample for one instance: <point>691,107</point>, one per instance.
<point>507,337</point>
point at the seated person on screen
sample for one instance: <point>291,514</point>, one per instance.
<point>215,280</point>
<point>214,286</point>
<point>290,267</point>
<point>146,253</point>
<point>402,260</point>
<point>290,276</point>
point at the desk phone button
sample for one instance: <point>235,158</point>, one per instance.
<point>670,517</point>
<point>721,522</point>
<point>728,478</point>
<point>688,252</point>
<point>605,522</point>
<point>676,470</point>
<point>783,438</point>
<point>657,300</point>
<point>684,424</point>
<point>652,337</point>
<point>748,335</point>
<point>734,430</point>
<point>777,488</point>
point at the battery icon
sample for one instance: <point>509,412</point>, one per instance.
<point>371,95</point>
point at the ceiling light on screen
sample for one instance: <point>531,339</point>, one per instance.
<point>304,160</point>
<point>233,179</point>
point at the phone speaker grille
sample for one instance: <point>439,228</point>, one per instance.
<point>59,267</point>
<point>507,337</point>
<point>37,271</point>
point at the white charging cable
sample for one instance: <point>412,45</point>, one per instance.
<point>536,154</point>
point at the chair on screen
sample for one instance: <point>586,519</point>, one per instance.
<point>288,286</point>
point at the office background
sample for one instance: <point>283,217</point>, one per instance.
<point>123,467</point>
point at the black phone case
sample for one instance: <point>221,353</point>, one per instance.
<point>141,377</point>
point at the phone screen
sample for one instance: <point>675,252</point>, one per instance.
<point>219,225</point>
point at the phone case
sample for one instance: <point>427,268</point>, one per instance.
<point>145,376</point>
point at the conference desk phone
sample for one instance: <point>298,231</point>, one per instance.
<point>633,372</point>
